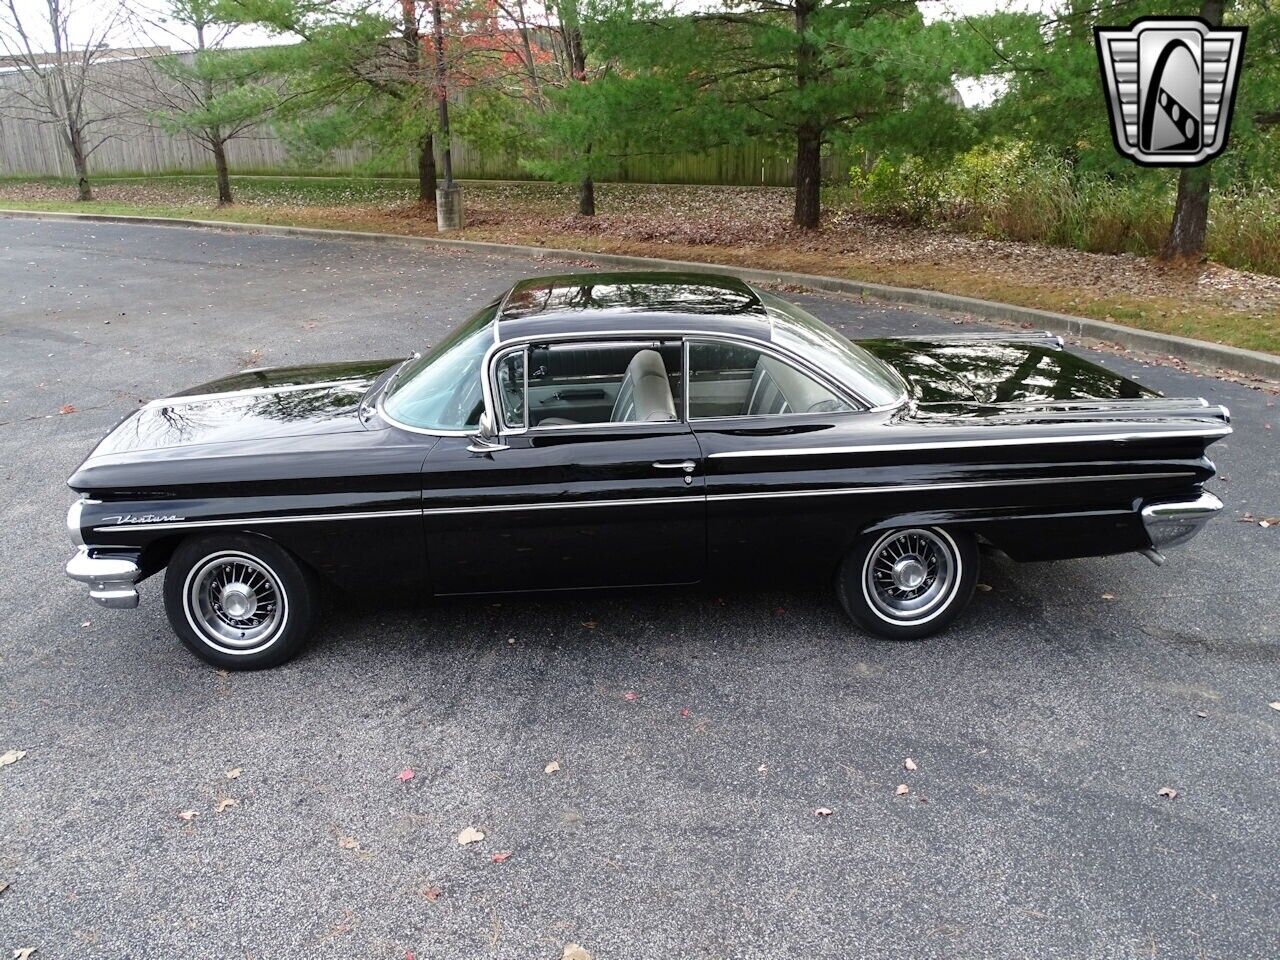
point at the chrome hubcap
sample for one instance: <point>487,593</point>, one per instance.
<point>234,602</point>
<point>910,575</point>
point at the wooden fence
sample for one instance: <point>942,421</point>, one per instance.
<point>135,146</point>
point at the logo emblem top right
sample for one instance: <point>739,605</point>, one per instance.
<point>1171,86</point>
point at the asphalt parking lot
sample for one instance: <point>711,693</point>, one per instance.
<point>696,733</point>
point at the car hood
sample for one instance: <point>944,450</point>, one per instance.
<point>953,371</point>
<point>249,406</point>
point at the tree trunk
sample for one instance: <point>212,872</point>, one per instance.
<point>1190,216</point>
<point>1191,211</point>
<point>442,93</point>
<point>82,167</point>
<point>578,63</point>
<point>808,211</point>
<point>219,148</point>
<point>426,169</point>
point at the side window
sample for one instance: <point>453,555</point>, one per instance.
<point>511,389</point>
<point>728,380</point>
<point>604,381</point>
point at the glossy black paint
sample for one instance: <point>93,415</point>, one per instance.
<point>1042,454</point>
<point>991,373</point>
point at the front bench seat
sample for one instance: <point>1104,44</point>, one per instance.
<point>645,394</point>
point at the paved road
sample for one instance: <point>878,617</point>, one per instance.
<point>1043,724</point>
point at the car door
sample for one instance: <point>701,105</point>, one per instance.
<point>767,513</point>
<point>565,504</point>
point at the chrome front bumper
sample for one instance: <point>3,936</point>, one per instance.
<point>111,579</point>
<point>1169,524</point>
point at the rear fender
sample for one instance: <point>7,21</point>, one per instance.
<point>1027,535</point>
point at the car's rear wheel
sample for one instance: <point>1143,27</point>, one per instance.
<point>910,582</point>
<point>239,602</point>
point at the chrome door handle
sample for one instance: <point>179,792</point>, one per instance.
<point>688,466</point>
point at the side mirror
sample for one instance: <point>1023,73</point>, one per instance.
<point>486,438</point>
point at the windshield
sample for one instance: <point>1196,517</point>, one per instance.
<point>808,337</point>
<point>441,390</point>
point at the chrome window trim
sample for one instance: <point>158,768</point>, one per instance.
<point>860,404</point>
<point>641,338</point>
<point>978,442</point>
<point>843,392</point>
<point>501,421</point>
<point>491,354</point>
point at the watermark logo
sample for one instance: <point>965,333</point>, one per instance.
<point>1171,85</point>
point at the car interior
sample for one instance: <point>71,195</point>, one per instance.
<point>616,382</point>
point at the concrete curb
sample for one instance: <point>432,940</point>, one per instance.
<point>1214,356</point>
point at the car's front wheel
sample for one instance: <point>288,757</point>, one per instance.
<point>239,602</point>
<point>910,582</point>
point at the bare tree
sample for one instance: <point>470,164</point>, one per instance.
<point>210,94</point>
<point>58,81</point>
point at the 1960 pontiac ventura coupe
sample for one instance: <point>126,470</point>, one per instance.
<point>625,429</point>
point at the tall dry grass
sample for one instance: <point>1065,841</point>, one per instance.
<point>1010,191</point>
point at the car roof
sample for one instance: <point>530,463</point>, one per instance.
<point>619,302</point>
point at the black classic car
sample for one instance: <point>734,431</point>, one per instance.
<point>633,429</point>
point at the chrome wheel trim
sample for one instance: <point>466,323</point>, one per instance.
<point>910,576</point>
<point>235,602</point>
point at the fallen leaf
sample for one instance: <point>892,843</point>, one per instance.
<point>405,775</point>
<point>431,893</point>
<point>66,408</point>
<point>469,835</point>
<point>822,812</point>
<point>984,587</point>
<point>552,767</point>
<point>233,773</point>
<point>226,803</point>
<point>684,712</point>
<point>502,857</point>
<point>349,843</point>
<point>1167,792</point>
<point>574,952</point>
<point>11,756</point>
<point>902,790</point>
<point>188,815</point>
<point>631,695</point>
<point>908,764</point>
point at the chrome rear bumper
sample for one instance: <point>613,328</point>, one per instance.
<point>111,579</point>
<point>1175,522</point>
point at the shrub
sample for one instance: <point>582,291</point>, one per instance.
<point>1010,190</point>
<point>907,191</point>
